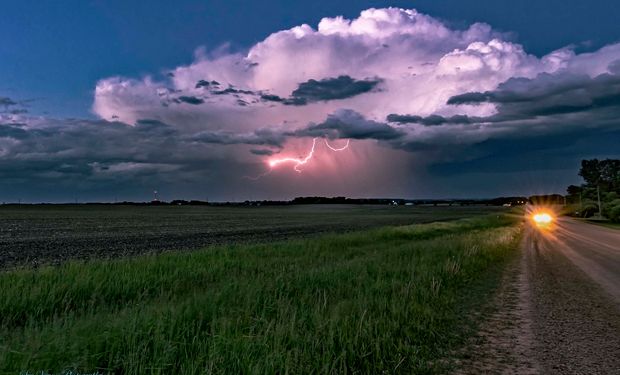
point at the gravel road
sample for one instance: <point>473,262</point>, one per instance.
<point>558,310</point>
<point>593,248</point>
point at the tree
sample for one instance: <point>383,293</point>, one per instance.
<point>574,193</point>
<point>590,171</point>
<point>604,174</point>
<point>610,175</point>
<point>600,176</point>
<point>612,210</point>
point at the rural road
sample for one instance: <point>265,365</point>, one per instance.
<point>558,309</point>
<point>594,249</point>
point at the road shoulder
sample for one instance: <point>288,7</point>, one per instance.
<point>548,317</point>
<point>504,342</point>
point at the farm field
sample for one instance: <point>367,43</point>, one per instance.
<point>32,235</point>
<point>395,299</point>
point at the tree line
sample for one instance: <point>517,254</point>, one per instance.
<point>600,191</point>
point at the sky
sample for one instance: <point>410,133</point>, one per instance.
<point>236,100</point>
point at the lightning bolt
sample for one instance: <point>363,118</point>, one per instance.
<point>337,149</point>
<point>298,162</point>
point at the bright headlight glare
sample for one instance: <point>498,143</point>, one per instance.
<point>542,218</point>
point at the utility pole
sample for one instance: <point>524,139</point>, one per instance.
<point>598,194</point>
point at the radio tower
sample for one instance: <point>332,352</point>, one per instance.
<point>155,198</point>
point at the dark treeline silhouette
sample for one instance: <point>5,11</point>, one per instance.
<point>501,201</point>
<point>600,191</point>
<point>550,199</point>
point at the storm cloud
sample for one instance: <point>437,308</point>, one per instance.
<point>350,124</point>
<point>406,88</point>
<point>5,101</point>
<point>191,100</point>
<point>264,136</point>
<point>341,87</point>
<point>430,120</point>
<point>548,95</point>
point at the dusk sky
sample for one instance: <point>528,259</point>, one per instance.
<point>236,100</point>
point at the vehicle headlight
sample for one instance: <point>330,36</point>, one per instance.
<point>542,218</point>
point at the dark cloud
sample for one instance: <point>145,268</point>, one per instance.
<point>62,149</point>
<point>263,137</point>
<point>341,87</point>
<point>4,101</point>
<point>470,98</point>
<point>191,100</point>
<point>262,151</point>
<point>271,98</point>
<point>544,123</point>
<point>295,101</point>
<point>10,106</point>
<point>285,101</point>
<point>429,120</point>
<point>548,95</point>
<point>14,131</point>
<point>203,83</point>
<point>233,91</point>
<point>19,111</point>
<point>310,91</point>
<point>403,119</point>
<point>527,154</point>
<point>350,124</point>
<point>61,160</point>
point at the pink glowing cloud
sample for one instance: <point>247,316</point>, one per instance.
<point>347,76</point>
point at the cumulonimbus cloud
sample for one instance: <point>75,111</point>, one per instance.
<point>384,64</point>
<point>391,77</point>
<point>418,62</point>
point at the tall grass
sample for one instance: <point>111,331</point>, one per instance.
<point>388,300</point>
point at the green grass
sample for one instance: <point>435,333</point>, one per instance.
<point>608,224</point>
<point>389,300</point>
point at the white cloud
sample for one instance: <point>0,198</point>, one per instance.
<point>422,62</point>
<point>419,61</point>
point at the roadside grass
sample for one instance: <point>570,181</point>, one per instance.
<point>608,224</point>
<point>396,299</point>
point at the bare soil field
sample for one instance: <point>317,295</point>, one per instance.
<point>33,235</point>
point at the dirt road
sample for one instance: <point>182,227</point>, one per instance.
<point>558,310</point>
<point>594,249</point>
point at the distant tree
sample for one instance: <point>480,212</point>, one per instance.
<point>602,173</point>
<point>611,210</point>
<point>610,174</point>
<point>589,208</point>
<point>590,171</point>
<point>574,190</point>
<point>600,176</point>
<point>574,193</point>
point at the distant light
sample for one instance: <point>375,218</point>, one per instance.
<point>542,218</point>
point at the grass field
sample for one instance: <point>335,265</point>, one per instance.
<point>389,300</point>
